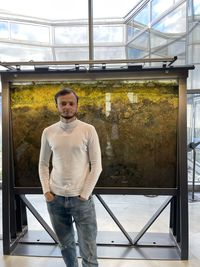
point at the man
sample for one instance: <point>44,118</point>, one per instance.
<point>76,166</point>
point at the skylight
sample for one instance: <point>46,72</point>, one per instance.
<point>67,10</point>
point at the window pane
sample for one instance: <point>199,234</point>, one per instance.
<point>108,34</point>
<point>136,53</point>
<point>12,52</point>
<point>144,16</point>
<point>71,35</point>
<point>31,33</point>
<point>193,134</point>
<point>173,49</point>
<point>157,41</point>
<point>175,22</point>
<point>79,53</point>
<point>132,31</point>
<point>159,6</point>
<point>141,41</point>
<point>4,30</point>
<point>193,53</point>
<point>112,8</point>
<point>109,53</point>
<point>194,35</point>
<point>50,10</point>
<point>176,48</point>
<point>194,78</point>
<point>196,4</point>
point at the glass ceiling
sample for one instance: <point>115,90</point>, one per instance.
<point>57,30</point>
<point>67,9</point>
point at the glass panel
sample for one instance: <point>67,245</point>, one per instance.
<point>193,81</point>
<point>194,54</point>
<point>157,41</point>
<point>31,33</point>
<point>134,53</point>
<point>159,6</point>
<point>108,34</point>
<point>193,135</point>
<point>162,52</point>
<point>53,10</point>
<point>141,41</point>
<point>143,16</point>
<point>196,4</point>
<point>71,35</point>
<point>176,48</point>
<point>175,22</point>
<point>194,36</point>
<point>72,53</point>
<point>4,33</point>
<point>12,52</point>
<point>112,8</point>
<point>132,31</point>
<point>190,8</point>
<point>109,53</point>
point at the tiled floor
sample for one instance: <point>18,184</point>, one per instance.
<point>133,212</point>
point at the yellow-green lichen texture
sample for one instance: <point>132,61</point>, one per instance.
<point>136,122</point>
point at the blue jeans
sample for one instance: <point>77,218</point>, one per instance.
<point>62,211</point>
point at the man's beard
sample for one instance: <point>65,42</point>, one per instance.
<point>68,117</point>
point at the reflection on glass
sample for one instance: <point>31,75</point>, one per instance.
<point>136,122</point>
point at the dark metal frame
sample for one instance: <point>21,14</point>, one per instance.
<point>14,201</point>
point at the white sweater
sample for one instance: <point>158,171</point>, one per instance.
<point>76,159</point>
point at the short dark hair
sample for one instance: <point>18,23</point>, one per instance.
<point>65,91</point>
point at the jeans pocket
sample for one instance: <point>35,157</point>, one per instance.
<point>86,200</point>
<point>51,201</point>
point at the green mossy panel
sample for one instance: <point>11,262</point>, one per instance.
<point>136,123</point>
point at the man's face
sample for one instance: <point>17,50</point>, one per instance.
<point>67,106</point>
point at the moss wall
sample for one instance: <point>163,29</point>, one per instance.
<point>136,123</point>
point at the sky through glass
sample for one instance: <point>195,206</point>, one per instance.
<point>67,9</point>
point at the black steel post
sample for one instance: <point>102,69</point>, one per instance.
<point>6,167</point>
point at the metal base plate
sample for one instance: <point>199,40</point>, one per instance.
<point>152,246</point>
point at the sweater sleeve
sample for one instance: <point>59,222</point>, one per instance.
<point>95,162</point>
<point>45,154</point>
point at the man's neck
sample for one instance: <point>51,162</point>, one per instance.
<point>65,120</point>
